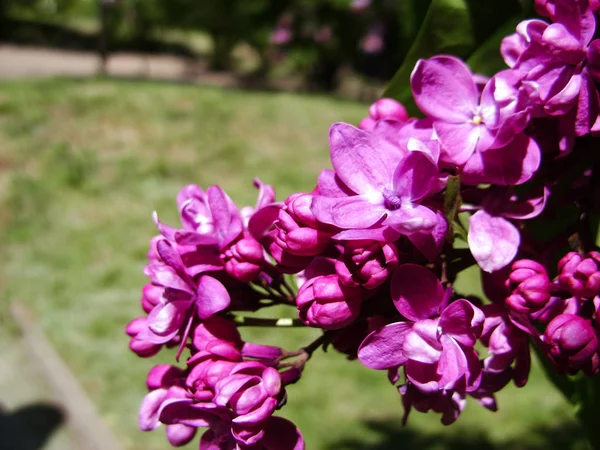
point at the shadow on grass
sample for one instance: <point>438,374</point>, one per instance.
<point>29,427</point>
<point>391,436</point>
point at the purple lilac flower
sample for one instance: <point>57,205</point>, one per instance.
<point>551,61</point>
<point>435,344</point>
<point>481,132</point>
<point>381,187</point>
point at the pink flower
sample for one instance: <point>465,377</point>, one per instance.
<point>436,344</point>
<point>469,123</point>
<point>381,186</point>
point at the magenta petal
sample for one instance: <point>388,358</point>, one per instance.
<point>453,363</point>
<point>514,164</point>
<point>416,292</point>
<point>165,276</point>
<point>184,411</point>
<point>563,101</point>
<point>411,219</point>
<point>421,344</point>
<point>382,349</point>
<point>364,162</point>
<point>179,434</point>
<point>463,321</point>
<point>347,212</point>
<point>148,414</point>
<point>430,243</point>
<point>212,441</point>
<point>415,176</point>
<point>211,297</point>
<point>587,106</point>
<point>329,185</point>
<point>380,234</point>
<point>271,381</point>
<point>266,193</point>
<point>165,320</point>
<point>228,387</point>
<point>281,434</point>
<point>185,237</point>
<point>423,375</point>
<point>228,223</point>
<point>443,88</point>
<point>526,209</point>
<point>458,140</point>
<point>248,398</point>
<point>259,414</point>
<point>493,241</point>
<point>262,220</point>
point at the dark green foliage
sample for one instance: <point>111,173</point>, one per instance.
<point>469,29</point>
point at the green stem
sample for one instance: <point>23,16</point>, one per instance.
<point>284,322</point>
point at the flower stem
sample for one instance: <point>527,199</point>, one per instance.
<point>283,322</point>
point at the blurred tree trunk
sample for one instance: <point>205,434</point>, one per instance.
<point>220,58</point>
<point>102,35</point>
<point>3,18</point>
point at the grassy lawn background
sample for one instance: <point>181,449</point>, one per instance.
<point>82,166</point>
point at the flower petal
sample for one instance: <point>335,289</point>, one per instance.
<point>347,212</point>
<point>462,321</point>
<point>416,292</point>
<point>382,349</point>
<point>363,162</point>
<point>211,297</point>
<point>493,241</point>
<point>443,88</point>
<point>415,176</point>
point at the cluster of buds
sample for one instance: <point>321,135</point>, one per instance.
<point>565,308</point>
<point>372,249</point>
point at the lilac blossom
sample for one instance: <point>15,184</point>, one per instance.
<point>435,344</point>
<point>551,61</point>
<point>469,123</point>
<point>382,187</point>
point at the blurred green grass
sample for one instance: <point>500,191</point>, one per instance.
<point>83,163</point>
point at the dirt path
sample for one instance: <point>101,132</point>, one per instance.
<point>43,405</point>
<point>31,62</point>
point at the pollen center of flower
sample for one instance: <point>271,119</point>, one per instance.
<point>391,200</point>
<point>477,120</point>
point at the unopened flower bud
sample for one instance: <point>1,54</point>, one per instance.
<point>573,343</point>
<point>324,302</point>
<point>366,263</point>
<point>529,286</point>
<point>243,259</point>
<point>580,276</point>
<point>388,109</point>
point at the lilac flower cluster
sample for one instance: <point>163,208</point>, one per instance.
<point>374,249</point>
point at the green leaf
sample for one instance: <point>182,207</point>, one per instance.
<point>452,202</point>
<point>487,59</point>
<point>447,28</point>
<point>453,27</point>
